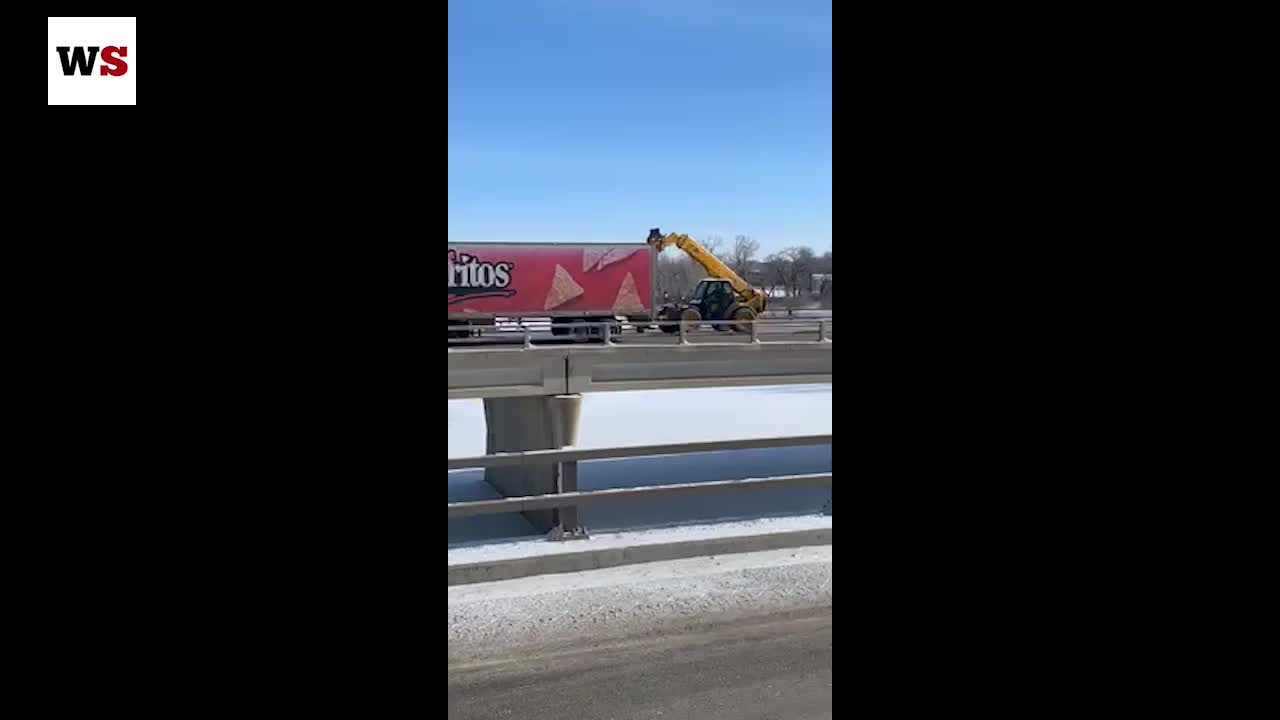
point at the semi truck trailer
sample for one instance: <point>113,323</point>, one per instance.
<point>583,286</point>
<point>574,284</point>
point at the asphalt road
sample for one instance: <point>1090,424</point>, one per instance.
<point>769,668</point>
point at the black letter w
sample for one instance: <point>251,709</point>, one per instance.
<point>78,57</point>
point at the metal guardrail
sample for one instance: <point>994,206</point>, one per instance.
<point>558,501</point>
<point>544,457</point>
<point>565,500</point>
<point>607,331</point>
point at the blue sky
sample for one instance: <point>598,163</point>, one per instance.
<point>594,120</point>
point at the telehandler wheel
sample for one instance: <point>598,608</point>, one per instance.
<point>690,318</point>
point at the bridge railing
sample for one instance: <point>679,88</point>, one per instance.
<point>566,499</point>
<point>802,329</point>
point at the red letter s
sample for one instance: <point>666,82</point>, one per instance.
<point>110,57</point>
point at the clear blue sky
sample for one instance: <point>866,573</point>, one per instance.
<point>594,120</point>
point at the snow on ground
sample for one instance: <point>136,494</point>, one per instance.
<point>490,619</point>
<point>496,552</point>
<point>620,419</point>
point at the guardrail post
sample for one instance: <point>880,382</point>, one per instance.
<point>755,336</point>
<point>822,331</point>
<point>608,333</point>
<point>683,339</point>
<point>528,336</point>
<point>565,519</point>
<point>563,419</point>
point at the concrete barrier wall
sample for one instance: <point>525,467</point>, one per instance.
<point>555,371</point>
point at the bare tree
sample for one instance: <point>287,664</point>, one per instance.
<point>677,275</point>
<point>744,252</point>
<point>801,268</point>
<point>779,269</point>
<point>822,265</point>
<point>824,292</point>
<point>793,269</point>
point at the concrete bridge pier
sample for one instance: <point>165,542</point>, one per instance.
<point>514,424</point>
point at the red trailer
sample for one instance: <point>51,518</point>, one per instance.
<point>568,283</point>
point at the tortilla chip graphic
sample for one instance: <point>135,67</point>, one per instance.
<point>615,255</point>
<point>563,289</point>
<point>628,301</point>
<point>591,257</point>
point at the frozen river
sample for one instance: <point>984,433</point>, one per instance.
<point>667,416</point>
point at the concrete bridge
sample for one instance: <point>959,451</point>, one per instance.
<point>533,395</point>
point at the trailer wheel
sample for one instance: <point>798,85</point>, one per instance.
<point>667,317</point>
